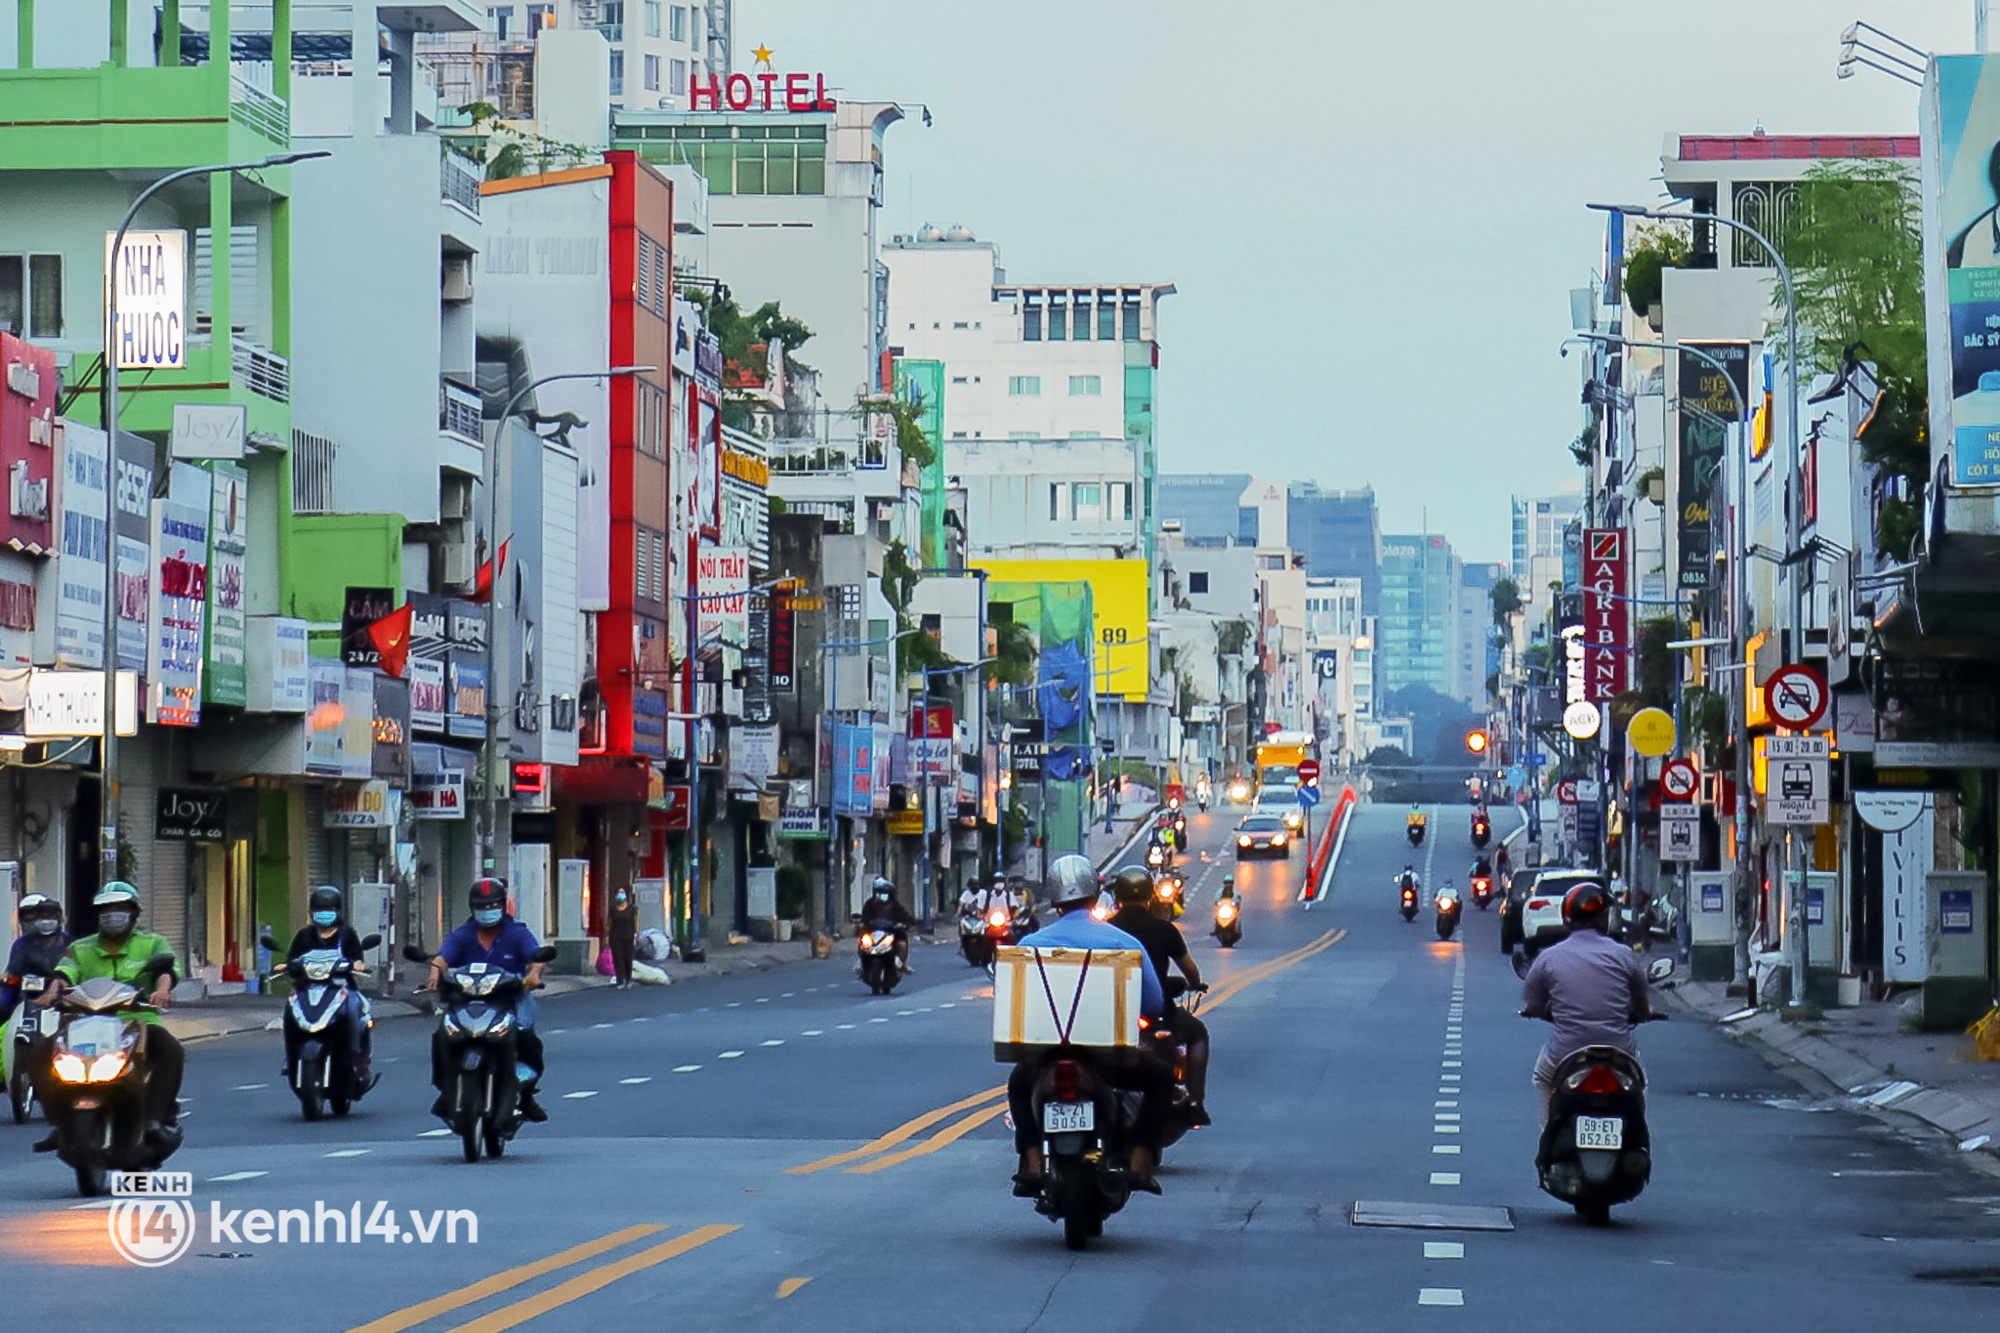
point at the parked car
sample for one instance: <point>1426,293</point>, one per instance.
<point>1533,915</point>
<point>1262,835</point>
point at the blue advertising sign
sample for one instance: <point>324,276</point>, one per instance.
<point>1954,911</point>
<point>1711,897</point>
<point>1961,135</point>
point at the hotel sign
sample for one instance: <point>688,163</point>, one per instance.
<point>765,90</point>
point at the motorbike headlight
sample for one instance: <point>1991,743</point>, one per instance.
<point>106,1067</point>
<point>997,917</point>
<point>1446,904</point>
<point>1225,913</point>
<point>71,1068</point>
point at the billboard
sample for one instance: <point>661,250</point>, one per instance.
<point>1961,207</point>
<point>1709,402</point>
<point>227,680</point>
<point>1606,613</point>
<point>1121,663</point>
<point>722,583</point>
<point>175,640</point>
<point>80,569</point>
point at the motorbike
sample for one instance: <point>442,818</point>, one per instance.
<point>1180,827</point>
<point>317,1065</point>
<point>1596,1150</point>
<point>1409,907</point>
<point>1086,1142</point>
<point>1480,886</point>
<point>1157,855</point>
<point>1449,907</point>
<point>1414,829</point>
<point>33,1027</point>
<point>1482,830</point>
<point>1169,893</point>
<point>875,950</point>
<point>478,1005</point>
<point>1201,798</point>
<point>981,933</point>
<point>1228,921</point>
<point>97,1083</point>
<point>1168,1045</point>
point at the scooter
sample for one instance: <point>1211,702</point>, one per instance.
<point>1482,891</point>
<point>33,1027</point>
<point>1449,907</point>
<point>1086,1127</point>
<point>1157,855</point>
<point>1169,1046</point>
<point>1414,828</point>
<point>980,934</point>
<point>1596,1150</point>
<point>1228,918</point>
<point>97,1083</point>
<point>1409,908</point>
<point>876,951</point>
<point>477,1017</point>
<point>1169,892</point>
<point>1482,830</point>
<point>317,1065</point>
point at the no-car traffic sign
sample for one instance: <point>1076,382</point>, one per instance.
<point>1679,779</point>
<point>1795,696</point>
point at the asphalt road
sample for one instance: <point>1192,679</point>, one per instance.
<point>781,1150</point>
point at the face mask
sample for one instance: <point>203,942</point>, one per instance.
<point>45,925</point>
<point>325,918</point>
<point>621,900</point>
<point>114,923</point>
<point>488,916</point>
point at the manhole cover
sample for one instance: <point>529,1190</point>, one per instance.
<point>1429,1216</point>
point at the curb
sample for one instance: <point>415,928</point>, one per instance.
<point>1140,827</point>
<point>1970,1125</point>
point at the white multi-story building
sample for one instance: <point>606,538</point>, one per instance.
<point>1340,665</point>
<point>1539,523</point>
<point>659,50</point>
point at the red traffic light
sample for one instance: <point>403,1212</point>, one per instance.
<point>1476,742</point>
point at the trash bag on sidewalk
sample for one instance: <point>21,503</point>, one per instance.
<point>650,975</point>
<point>654,946</point>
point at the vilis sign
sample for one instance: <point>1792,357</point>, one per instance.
<point>763,90</point>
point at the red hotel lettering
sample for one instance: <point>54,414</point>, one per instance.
<point>744,92</point>
<point>729,89</point>
<point>709,89</point>
<point>768,81</point>
<point>797,94</point>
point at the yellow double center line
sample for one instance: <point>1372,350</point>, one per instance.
<point>982,1107</point>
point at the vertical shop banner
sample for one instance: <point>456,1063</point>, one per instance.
<point>722,577</point>
<point>782,647</point>
<point>28,432</point>
<point>132,495</point>
<point>1607,616</point>
<point>1960,125</point>
<point>175,632</point>
<point>325,679</point>
<point>708,468</point>
<point>1709,402</point>
<point>227,680</point>
<point>86,490</point>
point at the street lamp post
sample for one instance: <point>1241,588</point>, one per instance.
<point>496,787</point>
<point>108,753</point>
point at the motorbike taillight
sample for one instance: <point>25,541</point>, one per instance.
<point>1600,1079</point>
<point>1068,1080</point>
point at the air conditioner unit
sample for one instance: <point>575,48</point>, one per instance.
<point>457,283</point>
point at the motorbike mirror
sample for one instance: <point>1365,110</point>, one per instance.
<point>159,963</point>
<point>1659,969</point>
<point>545,954</point>
<point>265,941</point>
<point>855,916</point>
<point>1520,963</point>
<point>370,941</point>
<point>414,954</point>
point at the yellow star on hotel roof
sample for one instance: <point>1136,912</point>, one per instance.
<point>762,55</point>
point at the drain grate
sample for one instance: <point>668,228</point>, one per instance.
<point>1430,1216</point>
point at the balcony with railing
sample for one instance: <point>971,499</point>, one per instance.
<point>459,411</point>
<point>458,180</point>
<point>260,370</point>
<point>255,109</point>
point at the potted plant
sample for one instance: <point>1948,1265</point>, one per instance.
<point>1652,483</point>
<point>1654,251</point>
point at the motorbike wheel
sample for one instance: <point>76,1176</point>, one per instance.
<point>90,1180</point>
<point>496,1143</point>
<point>20,1095</point>
<point>340,1105</point>
<point>1595,1213</point>
<point>469,1140</point>
<point>313,1102</point>
<point>1076,1231</point>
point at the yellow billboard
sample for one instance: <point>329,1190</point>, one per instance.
<point>1121,662</point>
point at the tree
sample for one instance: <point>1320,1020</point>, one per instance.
<point>1506,598</point>
<point>1653,250</point>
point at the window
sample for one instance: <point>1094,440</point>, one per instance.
<point>1024,386</point>
<point>1118,500</point>
<point>677,77</point>
<point>617,73</point>
<point>961,324</point>
<point>540,17</point>
<point>1058,501</point>
<point>1197,581</point>
<point>1086,385</point>
<point>611,20</point>
<point>652,74</point>
<point>31,295</point>
<point>1081,321</point>
<point>956,379</point>
<point>1107,317</point>
<point>679,21</point>
<point>1086,435</point>
<point>499,19</point>
<point>1058,317</point>
<point>1089,500</point>
<point>653,17</point>
<point>1031,319</point>
<point>1131,317</point>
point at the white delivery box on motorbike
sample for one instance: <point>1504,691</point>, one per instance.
<point>1091,997</point>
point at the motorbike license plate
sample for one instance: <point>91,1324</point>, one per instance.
<point>1599,1131</point>
<point>1069,1117</point>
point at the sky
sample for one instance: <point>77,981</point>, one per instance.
<point>1373,211</point>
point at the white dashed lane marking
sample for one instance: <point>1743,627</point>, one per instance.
<point>730,1055</point>
<point>432,1133</point>
<point>251,1087</point>
<point>1440,1296</point>
<point>685,1069</point>
<point>812,1032</point>
<point>634,1082</point>
<point>236,1175</point>
<point>1445,1149</point>
<point>347,1152</point>
<point>774,1042</point>
<point>1444,1177</point>
<point>579,1095</point>
<point>1444,1249</point>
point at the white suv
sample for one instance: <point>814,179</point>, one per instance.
<point>1542,914</point>
<point>1282,801</point>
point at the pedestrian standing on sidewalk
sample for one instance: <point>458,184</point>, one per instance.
<point>624,935</point>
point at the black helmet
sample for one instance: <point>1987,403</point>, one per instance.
<point>488,892</point>
<point>884,888</point>
<point>1132,887</point>
<point>326,898</point>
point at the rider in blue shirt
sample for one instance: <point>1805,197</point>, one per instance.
<point>1073,888</point>
<point>492,936</point>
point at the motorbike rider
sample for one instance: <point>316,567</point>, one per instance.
<point>1203,791</point>
<point>492,936</point>
<point>1408,879</point>
<point>120,950</point>
<point>1073,888</point>
<point>883,912</point>
<point>1164,944</point>
<point>42,944</point>
<point>329,931</point>
<point>1592,990</point>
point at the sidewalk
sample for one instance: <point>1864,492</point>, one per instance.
<point>1135,815</point>
<point>1865,1052</point>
